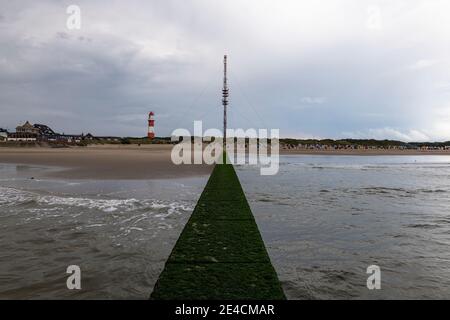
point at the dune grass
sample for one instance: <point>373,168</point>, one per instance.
<point>220,253</point>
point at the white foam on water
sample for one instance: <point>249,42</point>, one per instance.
<point>106,205</point>
<point>11,196</point>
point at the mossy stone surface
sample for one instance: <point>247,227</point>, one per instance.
<point>220,253</point>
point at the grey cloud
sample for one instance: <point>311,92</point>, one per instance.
<point>309,69</point>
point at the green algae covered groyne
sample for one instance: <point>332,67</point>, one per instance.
<point>220,253</point>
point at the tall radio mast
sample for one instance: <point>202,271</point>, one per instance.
<point>225,102</point>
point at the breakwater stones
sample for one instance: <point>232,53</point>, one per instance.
<point>220,254</point>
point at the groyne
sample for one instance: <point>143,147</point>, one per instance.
<point>220,254</point>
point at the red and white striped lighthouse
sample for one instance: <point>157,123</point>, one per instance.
<point>151,125</point>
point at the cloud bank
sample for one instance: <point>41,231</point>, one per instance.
<point>352,68</point>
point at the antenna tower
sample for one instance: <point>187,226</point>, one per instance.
<point>225,102</point>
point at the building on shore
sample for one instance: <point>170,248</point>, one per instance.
<point>43,133</point>
<point>70,138</point>
<point>25,137</point>
<point>3,134</point>
<point>108,138</point>
<point>26,132</point>
<point>27,128</point>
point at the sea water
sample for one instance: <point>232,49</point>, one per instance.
<point>324,220</point>
<point>118,232</point>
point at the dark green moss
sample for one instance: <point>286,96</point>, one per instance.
<point>223,210</point>
<point>218,281</point>
<point>220,241</point>
<point>220,253</point>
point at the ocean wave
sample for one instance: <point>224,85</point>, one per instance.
<point>365,167</point>
<point>106,205</point>
<point>432,190</point>
<point>16,197</point>
<point>338,167</point>
<point>11,196</point>
<point>399,191</point>
<point>424,226</point>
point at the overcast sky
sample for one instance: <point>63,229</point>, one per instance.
<point>323,69</point>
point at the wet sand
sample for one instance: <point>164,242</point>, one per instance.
<point>104,162</point>
<point>138,162</point>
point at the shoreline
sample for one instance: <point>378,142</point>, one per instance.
<point>112,162</point>
<point>133,162</point>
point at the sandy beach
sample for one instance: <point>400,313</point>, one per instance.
<point>138,162</point>
<point>104,162</point>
